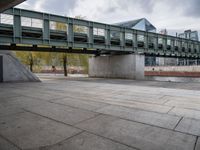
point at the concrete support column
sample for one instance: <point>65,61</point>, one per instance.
<point>117,66</point>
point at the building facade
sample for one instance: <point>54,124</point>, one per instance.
<point>188,34</point>
<point>144,25</point>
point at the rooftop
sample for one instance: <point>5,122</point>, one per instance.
<point>141,23</point>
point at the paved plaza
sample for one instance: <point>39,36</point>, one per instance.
<point>99,114</point>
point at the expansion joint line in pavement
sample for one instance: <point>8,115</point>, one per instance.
<point>13,144</point>
<point>46,146</point>
<point>195,143</point>
<point>178,123</point>
<point>82,130</point>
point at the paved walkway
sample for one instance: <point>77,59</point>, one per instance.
<point>99,114</point>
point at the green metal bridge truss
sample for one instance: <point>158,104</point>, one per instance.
<point>35,31</point>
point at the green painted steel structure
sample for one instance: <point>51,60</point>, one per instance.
<point>36,28</point>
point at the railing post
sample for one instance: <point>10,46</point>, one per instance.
<point>172,45</point>
<point>70,35</point>
<point>164,44</point>
<point>17,26</point>
<point>46,29</point>
<point>122,39</point>
<point>107,37</point>
<point>156,43</point>
<point>90,35</point>
<point>146,41</point>
<point>135,43</point>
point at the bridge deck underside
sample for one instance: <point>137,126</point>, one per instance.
<point>5,4</point>
<point>24,27</point>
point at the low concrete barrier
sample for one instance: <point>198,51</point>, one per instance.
<point>173,71</point>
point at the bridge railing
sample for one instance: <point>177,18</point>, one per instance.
<point>18,26</point>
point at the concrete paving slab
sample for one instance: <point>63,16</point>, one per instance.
<point>6,111</point>
<point>191,126</point>
<point>5,145</point>
<point>198,144</point>
<point>89,94</point>
<point>140,98</point>
<point>138,135</point>
<point>41,94</point>
<point>128,103</point>
<point>7,94</point>
<point>65,114</point>
<point>87,141</point>
<point>139,105</point>
<point>84,104</point>
<point>21,102</point>
<point>181,104</point>
<point>187,113</point>
<point>156,119</point>
<point>31,131</point>
<point>187,98</point>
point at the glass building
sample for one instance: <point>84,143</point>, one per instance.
<point>139,24</point>
<point>192,35</point>
<point>188,34</point>
<point>144,25</point>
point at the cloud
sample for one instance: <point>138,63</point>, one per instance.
<point>171,14</point>
<point>61,7</point>
<point>193,8</point>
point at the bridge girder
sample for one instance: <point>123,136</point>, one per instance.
<point>153,44</point>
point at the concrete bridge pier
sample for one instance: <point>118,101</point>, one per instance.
<point>11,69</point>
<point>130,66</point>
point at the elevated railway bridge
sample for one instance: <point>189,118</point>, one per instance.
<point>121,50</point>
<point>31,30</point>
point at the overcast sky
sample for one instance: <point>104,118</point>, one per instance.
<point>171,14</point>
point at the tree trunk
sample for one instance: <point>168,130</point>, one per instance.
<point>65,64</point>
<point>31,63</point>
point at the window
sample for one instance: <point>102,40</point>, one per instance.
<point>140,38</point>
<point>80,29</point>
<point>31,22</point>
<point>99,32</point>
<point>128,36</point>
<point>59,26</point>
<point>6,19</point>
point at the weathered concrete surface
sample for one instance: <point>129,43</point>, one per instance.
<point>61,113</point>
<point>5,145</point>
<point>87,141</point>
<point>198,144</point>
<point>14,71</point>
<point>30,131</point>
<point>99,114</point>
<point>138,135</point>
<point>188,113</point>
<point>120,66</point>
<point>152,118</point>
<point>74,102</point>
<point>190,126</point>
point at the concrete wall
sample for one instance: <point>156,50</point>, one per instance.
<point>117,66</point>
<point>174,68</point>
<point>14,71</point>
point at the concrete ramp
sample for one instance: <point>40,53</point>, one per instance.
<point>14,71</point>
